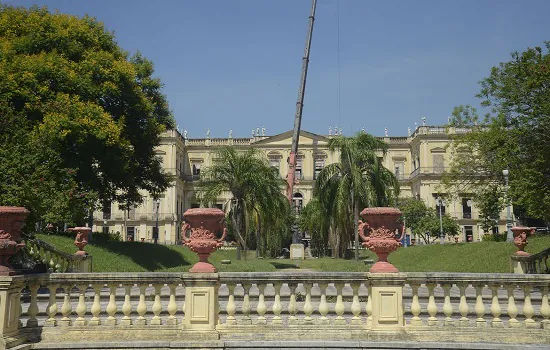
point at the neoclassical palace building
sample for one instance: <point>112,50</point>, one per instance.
<point>418,160</point>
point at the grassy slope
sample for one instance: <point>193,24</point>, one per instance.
<point>137,256</point>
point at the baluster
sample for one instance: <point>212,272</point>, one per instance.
<point>96,306</point>
<point>545,308</point>
<point>142,306</point>
<point>416,321</point>
<point>261,308</point>
<point>184,300</point>
<point>127,306</point>
<point>528,310</point>
<point>308,307</point>
<point>355,305</point>
<point>480,308</point>
<point>495,307</point>
<point>157,306</point>
<point>323,306</point>
<point>463,306</point>
<point>172,307</point>
<point>512,309</point>
<point>447,306</point>
<point>111,307</point>
<point>277,307</point>
<point>292,308</point>
<point>246,304</point>
<point>339,307</point>
<point>231,308</point>
<point>33,307</point>
<point>81,307</point>
<point>368,308</point>
<point>52,307</point>
<point>432,307</point>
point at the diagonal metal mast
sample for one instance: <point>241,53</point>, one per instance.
<point>300,106</point>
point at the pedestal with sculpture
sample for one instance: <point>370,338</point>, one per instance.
<point>518,260</point>
<point>12,220</point>
<point>81,239</point>
<point>204,223</point>
<point>378,232</point>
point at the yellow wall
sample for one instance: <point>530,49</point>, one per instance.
<point>416,156</point>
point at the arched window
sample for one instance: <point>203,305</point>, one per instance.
<point>297,202</point>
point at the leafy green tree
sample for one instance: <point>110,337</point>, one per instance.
<point>514,135</point>
<point>314,220</point>
<point>91,115</point>
<point>489,202</point>
<point>431,226</point>
<point>414,212</point>
<point>256,196</point>
<point>358,180</point>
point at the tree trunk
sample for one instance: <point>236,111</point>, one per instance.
<point>356,226</point>
<point>258,229</point>
<point>236,229</point>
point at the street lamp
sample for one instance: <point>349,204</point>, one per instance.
<point>440,203</point>
<point>156,230</point>
<point>509,235</point>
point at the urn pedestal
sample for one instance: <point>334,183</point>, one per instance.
<point>12,220</point>
<point>81,239</point>
<point>378,232</point>
<point>520,238</point>
<point>204,223</point>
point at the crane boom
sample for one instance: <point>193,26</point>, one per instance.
<point>299,107</point>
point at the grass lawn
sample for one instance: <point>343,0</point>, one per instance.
<point>463,257</point>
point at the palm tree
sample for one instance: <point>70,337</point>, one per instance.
<point>358,180</point>
<point>256,192</point>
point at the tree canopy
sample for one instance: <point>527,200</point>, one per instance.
<point>257,202</point>
<point>513,135</point>
<point>80,117</point>
<point>358,180</point>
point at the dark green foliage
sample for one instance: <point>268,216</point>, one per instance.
<point>80,117</point>
<point>514,135</point>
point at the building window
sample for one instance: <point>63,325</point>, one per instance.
<point>469,233</point>
<point>275,163</point>
<point>196,170</point>
<point>319,165</point>
<point>130,233</point>
<point>466,208</point>
<point>298,170</point>
<point>297,203</point>
<point>105,229</point>
<point>107,211</point>
<point>439,202</point>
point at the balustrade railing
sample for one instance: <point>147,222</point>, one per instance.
<point>56,260</point>
<point>478,304</point>
<point>534,263</point>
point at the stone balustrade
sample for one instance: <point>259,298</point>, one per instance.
<point>56,260</point>
<point>63,308</point>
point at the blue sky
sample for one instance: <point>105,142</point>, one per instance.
<point>235,64</point>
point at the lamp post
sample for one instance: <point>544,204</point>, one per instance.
<point>156,231</point>
<point>509,235</point>
<point>441,235</point>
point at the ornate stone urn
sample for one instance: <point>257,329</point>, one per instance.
<point>81,239</point>
<point>520,238</point>
<point>204,223</point>
<point>12,220</point>
<point>378,231</point>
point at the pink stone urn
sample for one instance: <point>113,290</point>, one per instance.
<point>378,231</point>
<point>204,224</point>
<point>520,238</point>
<point>81,239</point>
<point>12,220</point>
